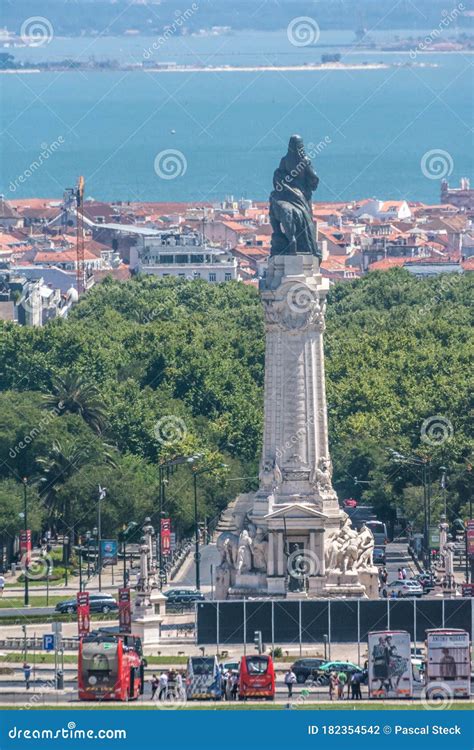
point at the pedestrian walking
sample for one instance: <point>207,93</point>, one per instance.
<point>355,685</point>
<point>27,674</point>
<point>341,682</point>
<point>384,576</point>
<point>179,690</point>
<point>349,683</point>
<point>290,679</point>
<point>400,574</point>
<point>404,574</point>
<point>333,685</point>
<point>234,685</point>
<point>154,686</point>
<point>2,584</point>
<point>163,686</point>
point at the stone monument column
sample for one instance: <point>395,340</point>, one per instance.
<point>296,507</point>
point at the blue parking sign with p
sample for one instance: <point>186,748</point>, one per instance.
<point>48,642</point>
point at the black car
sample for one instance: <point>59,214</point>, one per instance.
<point>306,668</point>
<point>97,603</point>
<point>183,596</point>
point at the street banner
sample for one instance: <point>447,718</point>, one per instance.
<point>125,610</point>
<point>390,672</point>
<point>83,613</point>
<point>166,536</point>
<point>108,551</point>
<point>433,537</point>
<point>470,538</point>
<point>25,545</point>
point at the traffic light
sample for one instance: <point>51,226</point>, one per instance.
<point>257,639</point>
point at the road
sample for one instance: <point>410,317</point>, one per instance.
<point>209,557</point>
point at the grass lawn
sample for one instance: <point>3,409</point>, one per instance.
<point>35,601</point>
<point>362,705</point>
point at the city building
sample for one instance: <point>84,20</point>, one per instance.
<point>172,253</point>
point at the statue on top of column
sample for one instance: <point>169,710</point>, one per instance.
<point>291,213</point>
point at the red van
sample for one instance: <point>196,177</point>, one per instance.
<point>257,677</point>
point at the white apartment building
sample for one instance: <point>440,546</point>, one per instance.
<point>170,253</point>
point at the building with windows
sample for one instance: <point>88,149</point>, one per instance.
<point>170,253</point>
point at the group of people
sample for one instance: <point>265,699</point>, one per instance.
<point>168,686</point>
<point>230,684</point>
<point>339,681</point>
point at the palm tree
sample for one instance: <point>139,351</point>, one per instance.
<point>74,395</point>
<point>56,468</point>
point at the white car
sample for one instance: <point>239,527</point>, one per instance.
<point>406,588</point>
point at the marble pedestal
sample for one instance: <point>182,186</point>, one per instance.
<point>147,617</point>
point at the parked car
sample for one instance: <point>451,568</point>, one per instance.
<point>97,602</point>
<point>426,581</point>
<point>379,556</point>
<point>322,677</point>
<point>306,669</point>
<point>406,588</point>
<point>183,596</point>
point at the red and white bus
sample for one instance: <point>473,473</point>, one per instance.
<point>390,671</point>
<point>257,677</point>
<point>110,667</point>
<point>448,663</point>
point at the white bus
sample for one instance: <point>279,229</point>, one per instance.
<point>448,663</point>
<point>390,671</point>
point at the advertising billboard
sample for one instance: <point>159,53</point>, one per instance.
<point>448,662</point>
<point>390,672</point>
<point>109,551</point>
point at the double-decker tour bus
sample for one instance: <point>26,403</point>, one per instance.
<point>110,667</point>
<point>257,677</point>
<point>390,670</point>
<point>448,663</point>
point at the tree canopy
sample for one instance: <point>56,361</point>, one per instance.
<point>149,369</point>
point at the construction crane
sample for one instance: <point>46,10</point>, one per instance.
<point>80,265</point>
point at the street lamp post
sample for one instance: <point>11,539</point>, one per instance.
<point>197,554</point>
<point>66,548</point>
<point>425,465</point>
<point>167,465</point>
<point>102,494</point>
<point>25,526</point>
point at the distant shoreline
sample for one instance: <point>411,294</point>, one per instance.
<point>222,68</point>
